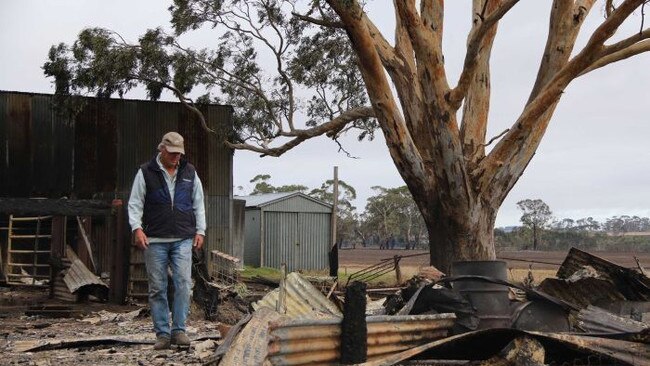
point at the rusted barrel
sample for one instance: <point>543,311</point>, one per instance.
<point>490,300</point>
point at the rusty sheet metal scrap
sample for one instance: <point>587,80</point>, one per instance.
<point>297,342</point>
<point>302,299</point>
<point>250,345</point>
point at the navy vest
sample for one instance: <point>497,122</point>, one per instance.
<point>161,218</point>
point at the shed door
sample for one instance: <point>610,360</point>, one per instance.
<point>313,241</point>
<point>280,238</point>
<point>299,239</point>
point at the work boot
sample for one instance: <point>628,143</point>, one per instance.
<point>162,342</point>
<point>181,339</point>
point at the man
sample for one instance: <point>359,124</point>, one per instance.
<point>167,217</point>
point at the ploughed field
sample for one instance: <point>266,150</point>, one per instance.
<point>359,258</point>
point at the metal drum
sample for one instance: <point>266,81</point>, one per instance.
<point>490,300</point>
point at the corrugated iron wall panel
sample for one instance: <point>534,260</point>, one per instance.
<point>85,151</point>
<point>280,238</point>
<point>19,144</point>
<point>4,141</point>
<point>102,237</point>
<point>314,238</point>
<point>43,163</point>
<point>238,216</point>
<point>252,228</point>
<point>297,204</point>
<point>217,214</point>
<point>106,140</point>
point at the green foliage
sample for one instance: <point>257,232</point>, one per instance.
<point>262,186</point>
<point>263,58</point>
<point>392,214</point>
<point>265,272</point>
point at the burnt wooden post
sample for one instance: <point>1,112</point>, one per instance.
<point>334,260</point>
<point>398,270</point>
<point>120,260</point>
<point>354,330</point>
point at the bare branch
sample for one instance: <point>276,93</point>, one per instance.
<point>456,95</point>
<point>638,48</point>
<point>609,7</point>
<point>496,137</point>
<point>300,136</point>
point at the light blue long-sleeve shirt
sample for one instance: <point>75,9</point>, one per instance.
<point>139,190</point>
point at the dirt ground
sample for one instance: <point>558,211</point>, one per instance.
<point>519,259</point>
<point>19,329</point>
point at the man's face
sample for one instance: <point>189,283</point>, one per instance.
<point>169,160</point>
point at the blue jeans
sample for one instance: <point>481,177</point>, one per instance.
<point>158,256</point>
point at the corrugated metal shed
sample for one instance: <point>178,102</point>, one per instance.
<point>89,148</point>
<point>290,228</point>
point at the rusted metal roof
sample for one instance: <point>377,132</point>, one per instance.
<point>307,341</point>
<point>302,299</point>
<point>79,276</point>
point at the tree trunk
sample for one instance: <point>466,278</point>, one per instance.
<point>534,237</point>
<point>459,238</point>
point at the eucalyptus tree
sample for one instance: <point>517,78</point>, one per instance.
<point>536,216</point>
<point>435,130</point>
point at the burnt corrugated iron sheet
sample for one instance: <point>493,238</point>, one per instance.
<point>302,299</point>
<point>633,285</point>
<point>307,341</point>
<point>582,292</point>
<point>596,320</point>
<point>78,276</point>
<point>560,348</point>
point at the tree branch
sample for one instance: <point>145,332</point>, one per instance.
<point>456,95</point>
<point>633,50</point>
<point>301,135</point>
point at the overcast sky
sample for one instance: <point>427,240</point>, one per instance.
<point>593,160</point>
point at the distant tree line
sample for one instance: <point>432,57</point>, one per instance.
<point>540,231</point>
<point>391,220</point>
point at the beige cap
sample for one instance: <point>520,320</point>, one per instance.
<point>173,143</point>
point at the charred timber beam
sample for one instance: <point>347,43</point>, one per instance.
<point>60,207</point>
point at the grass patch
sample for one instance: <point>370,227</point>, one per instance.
<point>265,272</point>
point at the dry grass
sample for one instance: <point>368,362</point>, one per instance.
<point>515,275</point>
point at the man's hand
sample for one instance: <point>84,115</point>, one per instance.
<point>198,242</point>
<point>141,240</point>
